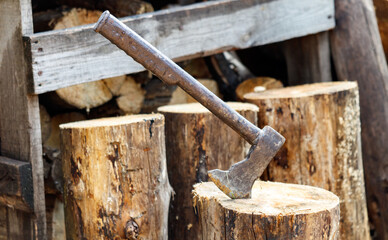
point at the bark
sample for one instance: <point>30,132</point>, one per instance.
<point>115,178</point>
<point>321,124</point>
<point>197,141</point>
<point>275,211</point>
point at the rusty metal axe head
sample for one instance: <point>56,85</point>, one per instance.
<point>237,182</point>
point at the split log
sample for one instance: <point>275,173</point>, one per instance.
<point>86,95</point>
<point>179,96</point>
<point>249,85</point>
<point>322,127</point>
<point>116,184</point>
<point>197,141</point>
<point>131,96</point>
<point>275,211</point>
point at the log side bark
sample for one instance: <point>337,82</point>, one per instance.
<point>115,178</point>
<point>197,141</point>
<point>275,211</point>
<point>323,145</point>
<point>358,56</point>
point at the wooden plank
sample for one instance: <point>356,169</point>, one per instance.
<point>308,59</point>
<point>77,55</point>
<point>16,188</point>
<point>19,116</point>
<point>358,56</point>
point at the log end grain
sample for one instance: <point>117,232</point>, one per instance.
<point>276,210</point>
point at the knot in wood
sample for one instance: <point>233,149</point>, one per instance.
<point>131,230</point>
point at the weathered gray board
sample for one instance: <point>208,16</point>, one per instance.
<point>77,55</point>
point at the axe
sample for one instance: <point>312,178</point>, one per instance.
<point>236,182</point>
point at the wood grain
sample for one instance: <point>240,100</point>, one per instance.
<point>115,175</point>
<point>19,115</point>
<point>275,211</point>
<point>77,55</point>
<point>321,124</point>
<point>197,141</point>
<point>358,56</point>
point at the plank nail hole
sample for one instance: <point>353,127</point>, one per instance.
<point>329,17</point>
<point>40,49</point>
<point>40,73</point>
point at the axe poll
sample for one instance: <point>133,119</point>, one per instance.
<point>236,182</point>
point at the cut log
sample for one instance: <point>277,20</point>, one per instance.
<point>358,55</point>
<point>249,85</point>
<point>115,175</point>
<point>197,141</point>
<point>131,96</point>
<point>179,96</point>
<point>275,211</point>
<point>321,124</point>
<point>87,95</point>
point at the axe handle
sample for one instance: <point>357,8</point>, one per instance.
<point>169,72</point>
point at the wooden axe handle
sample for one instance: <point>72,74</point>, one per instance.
<point>169,72</point>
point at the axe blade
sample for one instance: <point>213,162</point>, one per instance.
<point>237,182</point>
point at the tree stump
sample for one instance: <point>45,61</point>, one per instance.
<point>115,178</point>
<point>275,211</point>
<point>321,124</point>
<point>197,141</point>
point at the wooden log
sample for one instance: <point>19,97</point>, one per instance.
<point>249,86</point>
<point>131,96</point>
<point>87,95</point>
<point>308,59</point>
<point>358,56</point>
<point>19,116</point>
<point>275,211</point>
<point>322,127</point>
<point>179,96</point>
<point>197,141</point>
<point>116,183</point>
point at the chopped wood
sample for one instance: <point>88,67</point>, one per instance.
<point>321,124</point>
<point>275,211</point>
<point>249,85</point>
<point>197,141</point>
<point>115,177</point>
<point>131,96</point>
<point>179,96</point>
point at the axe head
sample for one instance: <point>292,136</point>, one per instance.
<point>237,182</point>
